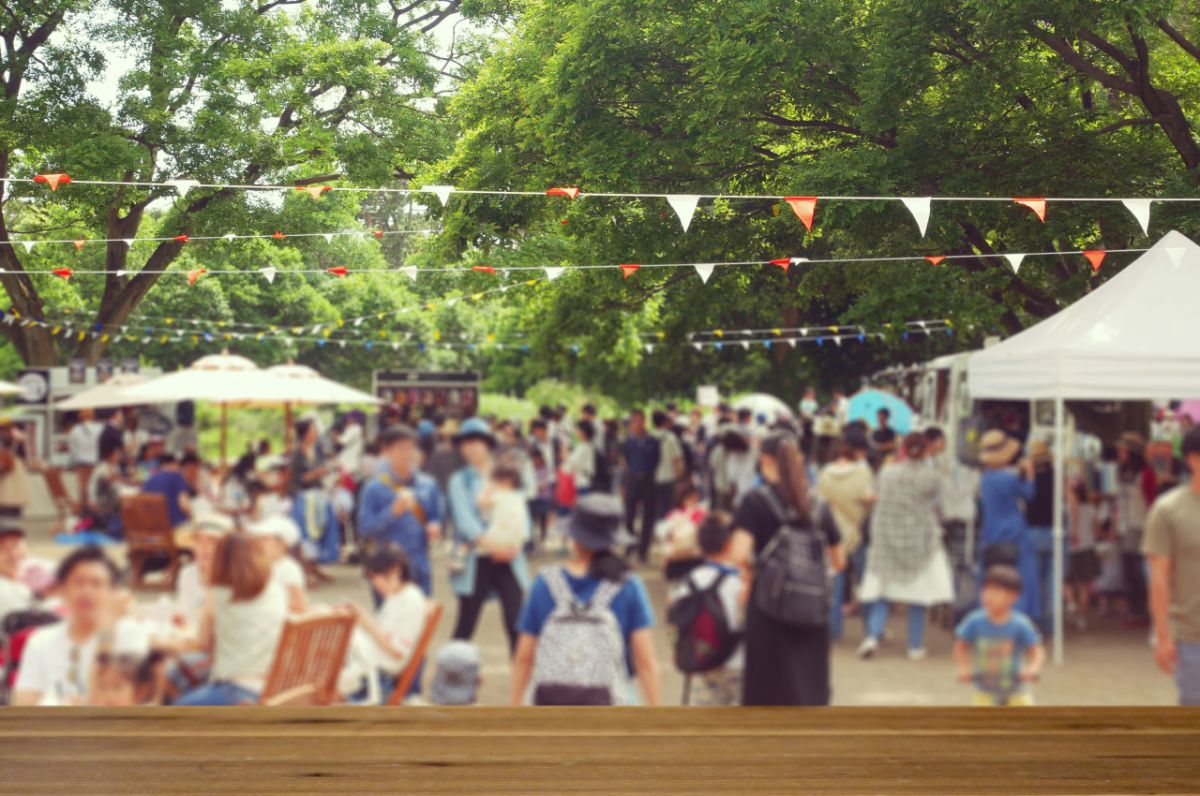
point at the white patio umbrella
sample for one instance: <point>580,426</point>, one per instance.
<point>761,403</point>
<point>223,379</point>
<point>7,388</point>
<point>307,386</point>
<point>108,395</point>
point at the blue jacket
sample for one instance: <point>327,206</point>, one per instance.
<point>376,520</point>
<point>469,525</point>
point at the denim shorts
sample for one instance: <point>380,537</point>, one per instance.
<point>1187,673</point>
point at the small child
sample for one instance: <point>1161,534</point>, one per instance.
<point>276,535</point>
<point>456,678</point>
<point>997,648</point>
<point>681,546</point>
<point>397,623</point>
<point>504,504</point>
<point>723,557</point>
<point>1083,565</point>
<point>126,680</point>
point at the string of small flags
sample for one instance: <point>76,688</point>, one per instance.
<point>684,204</point>
<point>80,243</point>
<point>1095,257</point>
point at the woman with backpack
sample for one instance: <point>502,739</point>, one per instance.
<point>787,645</point>
<point>586,628</point>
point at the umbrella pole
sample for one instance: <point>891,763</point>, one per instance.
<point>287,427</point>
<point>224,434</point>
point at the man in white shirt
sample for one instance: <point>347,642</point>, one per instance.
<point>57,662</point>
<point>83,449</point>
<point>14,595</point>
<point>670,469</point>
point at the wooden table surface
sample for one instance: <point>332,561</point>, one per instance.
<point>662,751</point>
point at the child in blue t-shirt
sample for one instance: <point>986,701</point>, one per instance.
<point>998,648</point>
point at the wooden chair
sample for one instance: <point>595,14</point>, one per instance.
<point>433,615</point>
<point>63,502</point>
<point>150,541</point>
<point>310,654</point>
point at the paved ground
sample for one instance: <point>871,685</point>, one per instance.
<point>1104,666</point>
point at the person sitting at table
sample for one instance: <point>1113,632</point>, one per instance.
<point>57,661</point>
<point>104,491</point>
<point>276,536</point>
<point>191,587</point>
<point>169,482</point>
<point>242,624</point>
<point>14,594</point>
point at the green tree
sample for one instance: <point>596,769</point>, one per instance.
<point>242,93</point>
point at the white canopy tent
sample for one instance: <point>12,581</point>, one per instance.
<point>1135,338</point>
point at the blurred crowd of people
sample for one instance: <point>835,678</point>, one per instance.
<point>771,531</point>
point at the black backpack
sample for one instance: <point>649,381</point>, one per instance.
<point>602,477</point>
<point>791,584</point>
<point>704,636</point>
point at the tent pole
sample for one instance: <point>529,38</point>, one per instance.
<point>224,434</point>
<point>1059,483</point>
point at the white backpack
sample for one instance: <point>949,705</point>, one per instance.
<point>580,656</point>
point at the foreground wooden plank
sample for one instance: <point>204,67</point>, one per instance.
<point>664,751</point>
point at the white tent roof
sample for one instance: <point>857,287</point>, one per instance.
<point>1135,338</point>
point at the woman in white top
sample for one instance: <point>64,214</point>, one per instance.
<point>242,625</point>
<point>275,537</point>
<point>581,464</point>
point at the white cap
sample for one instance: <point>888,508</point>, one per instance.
<point>283,528</point>
<point>213,523</point>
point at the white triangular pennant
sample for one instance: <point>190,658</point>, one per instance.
<point>1015,261</point>
<point>341,343</point>
<point>359,321</point>
<point>746,344</point>
<point>705,270</point>
<point>1140,208</point>
<point>919,207</point>
<point>395,346</point>
<point>554,272</point>
<point>328,236</point>
<point>410,271</point>
<point>1176,254</point>
<point>442,192</point>
<point>796,260</point>
<point>697,346</point>
<point>128,242</point>
<point>649,348</point>
<point>684,205</point>
<point>229,236</point>
<point>269,273</point>
<point>183,186</point>
<point>122,272</point>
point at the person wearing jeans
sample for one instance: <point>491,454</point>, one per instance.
<point>877,616</point>
<point>1172,547</point>
<point>640,454</point>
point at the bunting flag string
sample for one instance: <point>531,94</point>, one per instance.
<point>79,243</point>
<point>684,204</point>
<point>627,269</point>
<point>71,328</point>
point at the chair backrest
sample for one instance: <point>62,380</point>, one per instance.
<point>311,652</point>
<point>433,615</point>
<point>147,523</point>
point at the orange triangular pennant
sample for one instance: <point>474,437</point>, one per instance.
<point>339,270</point>
<point>65,273</point>
<point>805,207</point>
<point>195,274</point>
<point>628,268</point>
<point>79,244</point>
<point>314,191</point>
<point>782,262</point>
<point>181,239</point>
<point>278,235</point>
<point>1035,203</point>
<point>378,233</point>
<point>1095,257</point>
<point>53,180</point>
<point>487,269</point>
<point>570,192</point>
<point>935,259</point>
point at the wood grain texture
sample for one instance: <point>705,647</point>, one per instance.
<point>250,751</point>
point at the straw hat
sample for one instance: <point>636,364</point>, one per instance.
<point>1039,451</point>
<point>1133,442</point>
<point>997,449</point>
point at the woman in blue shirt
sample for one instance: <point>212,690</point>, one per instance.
<point>1004,534</point>
<point>484,569</point>
<point>592,575</point>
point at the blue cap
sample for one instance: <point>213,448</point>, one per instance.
<point>426,428</point>
<point>475,428</point>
